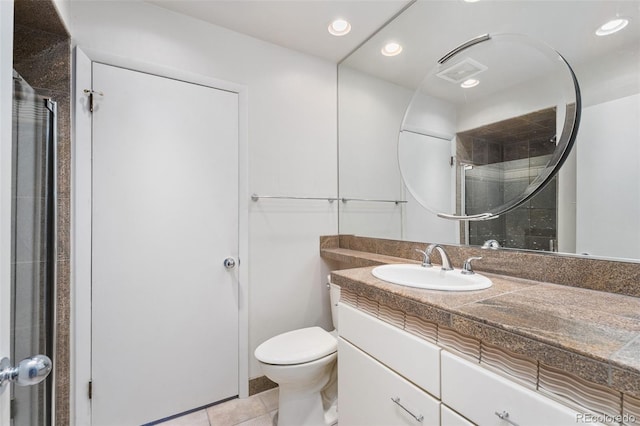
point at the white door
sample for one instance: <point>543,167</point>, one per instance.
<point>165,217</point>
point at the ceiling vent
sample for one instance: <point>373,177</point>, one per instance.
<point>462,71</point>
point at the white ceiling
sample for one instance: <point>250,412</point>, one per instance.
<point>296,24</point>
<point>428,29</point>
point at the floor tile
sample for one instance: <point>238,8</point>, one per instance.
<point>264,420</point>
<point>269,399</point>
<point>199,418</point>
<point>236,411</point>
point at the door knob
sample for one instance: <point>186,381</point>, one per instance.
<point>229,263</point>
<point>30,371</point>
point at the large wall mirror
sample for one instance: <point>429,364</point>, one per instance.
<point>514,106</point>
<point>590,207</point>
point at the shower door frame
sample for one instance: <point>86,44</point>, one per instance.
<point>6,98</point>
<point>81,222</point>
<point>48,286</point>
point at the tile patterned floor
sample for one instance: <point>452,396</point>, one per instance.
<point>257,410</point>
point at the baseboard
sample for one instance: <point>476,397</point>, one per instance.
<point>260,384</point>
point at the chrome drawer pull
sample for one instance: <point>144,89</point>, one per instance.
<point>419,417</point>
<point>505,416</point>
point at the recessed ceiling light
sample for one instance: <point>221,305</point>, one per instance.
<point>613,26</point>
<point>472,82</point>
<point>339,27</point>
<point>471,1</point>
<point>391,49</point>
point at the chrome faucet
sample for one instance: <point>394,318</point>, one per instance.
<point>426,260</point>
<point>446,263</point>
<point>491,244</point>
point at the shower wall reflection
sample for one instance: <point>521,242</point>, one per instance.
<point>500,160</point>
<point>33,244</point>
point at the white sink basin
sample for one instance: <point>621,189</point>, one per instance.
<point>433,278</point>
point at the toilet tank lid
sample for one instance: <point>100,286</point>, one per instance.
<point>297,346</point>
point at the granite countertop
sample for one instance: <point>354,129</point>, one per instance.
<point>592,334</point>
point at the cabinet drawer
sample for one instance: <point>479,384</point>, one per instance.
<point>403,352</point>
<point>478,394</point>
<point>448,417</point>
<point>367,389</point>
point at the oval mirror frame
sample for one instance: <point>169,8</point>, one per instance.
<point>441,90</point>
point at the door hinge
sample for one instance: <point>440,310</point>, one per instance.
<point>92,94</point>
<point>90,389</point>
<point>452,161</point>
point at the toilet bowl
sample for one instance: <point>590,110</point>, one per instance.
<point>303,364</point>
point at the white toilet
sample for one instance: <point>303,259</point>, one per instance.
<point>303,363</point>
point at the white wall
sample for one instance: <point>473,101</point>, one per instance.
<point>566,200</point>
<point>612,76</point>
<point>292,145</point>
<point>424,153</point>
<point>608,191</point>
<point>371,112</point>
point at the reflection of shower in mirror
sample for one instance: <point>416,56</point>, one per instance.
<point>506,139</point>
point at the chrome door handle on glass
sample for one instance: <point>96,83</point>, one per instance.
<point>30,371</point>
<point>229,263</point>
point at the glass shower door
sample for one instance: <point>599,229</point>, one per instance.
<point>531,226</point>
<point>33,246</point>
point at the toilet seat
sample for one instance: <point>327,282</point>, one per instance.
<point>297,347</point>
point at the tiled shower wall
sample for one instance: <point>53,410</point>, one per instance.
<point>526,143</point>
<point>42,57</point>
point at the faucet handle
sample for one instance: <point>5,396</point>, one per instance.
<point>466,266</point>
<point>426,259</point>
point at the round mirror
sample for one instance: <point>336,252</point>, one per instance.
<point>489,127</point>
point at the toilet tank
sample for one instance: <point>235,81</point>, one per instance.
<point>334,296</point>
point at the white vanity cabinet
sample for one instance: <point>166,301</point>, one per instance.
<point>389,377</point>
<point>448,417</point>
<point>374,361</point>
<point>403,352</point>
<point>373,395</point>
<point>487,398</point>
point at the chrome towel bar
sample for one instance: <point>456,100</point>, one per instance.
<point>256,197</point>
<point>344,200</point>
